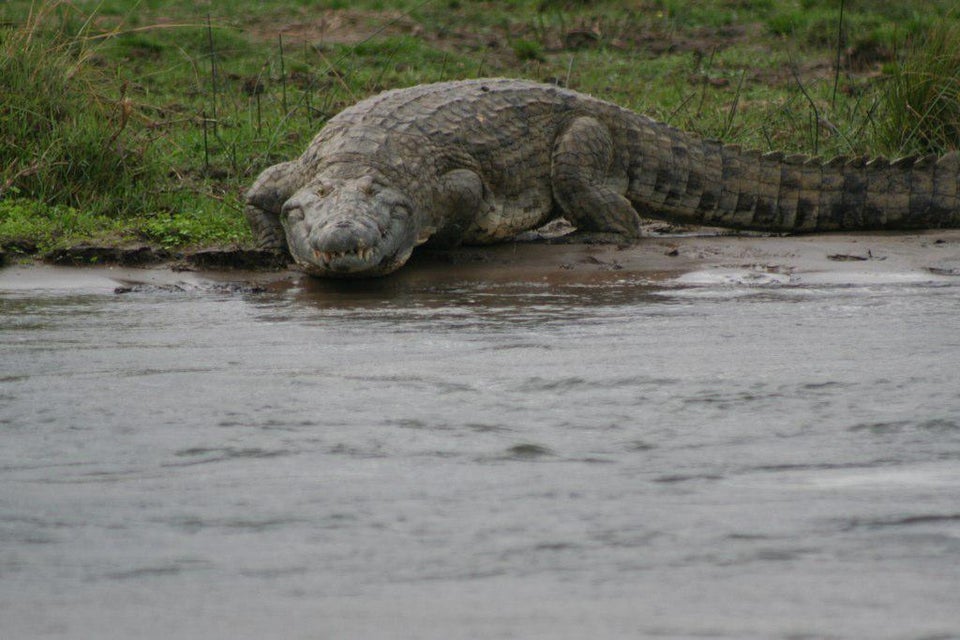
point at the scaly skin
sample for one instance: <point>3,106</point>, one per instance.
<point>479,161</point>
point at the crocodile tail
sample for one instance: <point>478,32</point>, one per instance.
<point>707,182</point>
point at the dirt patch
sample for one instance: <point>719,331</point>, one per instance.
<point>338,26</point>
<point>703,40</point>
<point>128,256</point>
<point>494,45</point>
<point>352,26</point>
<point>237,258</point>
<point>144,255</point>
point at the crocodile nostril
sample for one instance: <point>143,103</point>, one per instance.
<point>294,214</point>
<point>344,224</point>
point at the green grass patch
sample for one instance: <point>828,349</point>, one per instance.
<point>198,228</point>
<point>148,120</point>
<point>30,225</point>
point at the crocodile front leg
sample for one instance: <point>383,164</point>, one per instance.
<point>465,206</point>
<point>587,185</point>
<point>265,199</point>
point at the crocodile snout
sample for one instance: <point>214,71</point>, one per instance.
<point>344,241</point>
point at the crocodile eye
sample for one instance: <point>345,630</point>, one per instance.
<point>321,191</point>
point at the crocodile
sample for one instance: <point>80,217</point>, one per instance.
<point>480,161</point>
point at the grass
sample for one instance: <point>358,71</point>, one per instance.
<point>127,121</point>
<point>922,97</point>
<point>65,138</point>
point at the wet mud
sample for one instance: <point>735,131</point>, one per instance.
<point>824,258</point>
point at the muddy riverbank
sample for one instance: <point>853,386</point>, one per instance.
<point>854,257</point>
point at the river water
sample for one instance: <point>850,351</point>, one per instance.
<point>713,456</point>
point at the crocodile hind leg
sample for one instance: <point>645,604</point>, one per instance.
<point>264,201</point>
<point>587,184</point>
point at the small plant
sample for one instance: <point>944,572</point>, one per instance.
<point>787,21</point>
<point>528,50</point>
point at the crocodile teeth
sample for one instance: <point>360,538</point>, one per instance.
<point>363,253</point>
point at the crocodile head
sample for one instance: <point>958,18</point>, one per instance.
<point>350,227</point>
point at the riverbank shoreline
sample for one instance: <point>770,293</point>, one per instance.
<point>842,258</point>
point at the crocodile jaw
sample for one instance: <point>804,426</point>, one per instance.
<point>361,262</point>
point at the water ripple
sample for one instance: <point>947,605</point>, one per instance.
<point>905,521</point>
<point>205,455</point>
<point>173,568</point>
